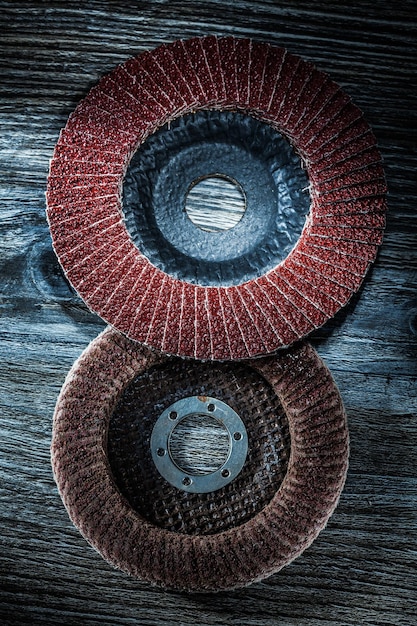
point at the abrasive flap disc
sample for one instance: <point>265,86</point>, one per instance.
<point>284,136</point>
<point>198,476</point>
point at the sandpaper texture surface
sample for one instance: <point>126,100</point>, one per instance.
<point>170,257</point>
<point>289,486</point>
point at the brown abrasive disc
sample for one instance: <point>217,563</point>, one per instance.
<point>294,471</point>
<point>248,300</point>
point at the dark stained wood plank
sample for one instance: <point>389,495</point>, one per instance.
<point>362,568</point>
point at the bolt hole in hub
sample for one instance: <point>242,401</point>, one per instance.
<point>203,448</point>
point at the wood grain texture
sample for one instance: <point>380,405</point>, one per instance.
<point>362,568</point>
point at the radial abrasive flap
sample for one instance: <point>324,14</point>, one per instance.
<point>253,316</point>
<point>243,553</point>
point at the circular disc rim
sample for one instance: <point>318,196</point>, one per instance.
<point>317,278</point>
<point>233,558</point>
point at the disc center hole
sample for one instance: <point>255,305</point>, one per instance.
<point>215,203</point>
<point>199,444</point>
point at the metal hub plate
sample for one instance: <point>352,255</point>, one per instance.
<point>233,440</point>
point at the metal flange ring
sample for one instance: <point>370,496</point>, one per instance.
<point>165,453</point>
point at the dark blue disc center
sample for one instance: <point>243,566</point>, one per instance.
<point>226,144</point>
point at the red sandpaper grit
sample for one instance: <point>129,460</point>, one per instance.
<point>257,65</point>
<point>344,278</point>
<point>217,312</point>
<point>358,153</point>
<point>293,317</point>
<point>258,299</point>
<point>169,68</point>
<point>298,506</point>
<point>339,259</point>
<point>243,56</point>
<point>210,46</point>
<point>353,220</point>
<point>319,90</point>
<point>288,71</point>
<point>260,315</point>
<point>340,293</point>
<point>173,313</point>
<point>283,287</point>
<point>364,206</point>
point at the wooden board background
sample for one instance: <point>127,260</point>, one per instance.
<point>362,568</point>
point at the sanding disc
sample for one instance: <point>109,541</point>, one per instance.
<point>289,409</point>
<point>138,260</point>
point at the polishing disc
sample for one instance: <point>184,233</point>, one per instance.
<point>263,120</point>
<point>110,424</point>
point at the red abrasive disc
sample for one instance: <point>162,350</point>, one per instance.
<point>226,321</point>
<point>208,544</point>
